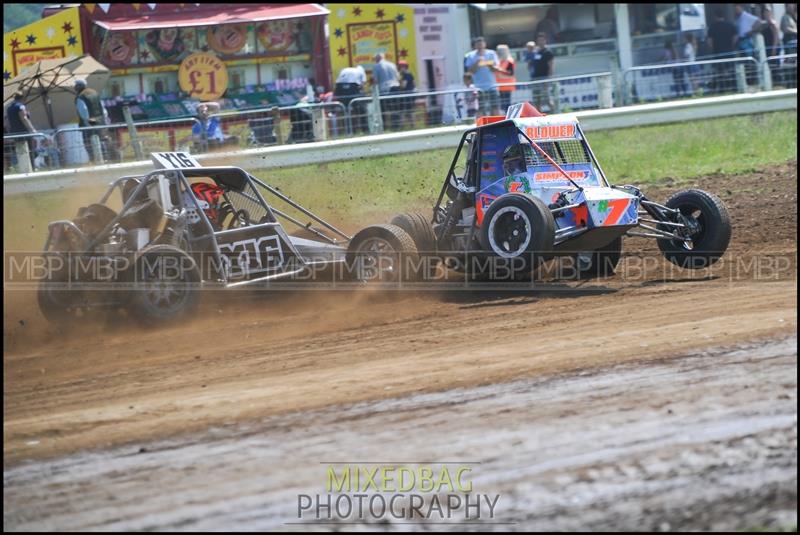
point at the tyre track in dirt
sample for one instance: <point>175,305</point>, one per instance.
<point>258,356</point>
<point>698,442</point>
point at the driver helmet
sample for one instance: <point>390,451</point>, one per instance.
<point>514,160</point>
<point>209,197</point>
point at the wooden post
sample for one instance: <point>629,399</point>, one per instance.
<point>23,156</point>
<point>137,146</point>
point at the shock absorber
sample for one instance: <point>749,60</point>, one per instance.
<point>452,216</point>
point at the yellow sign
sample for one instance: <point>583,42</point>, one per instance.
<point>203,76</point>
<point>359,31</point>
<point>53,37</point>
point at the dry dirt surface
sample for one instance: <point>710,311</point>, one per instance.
<point>277,362</point>
<point>707,442</point>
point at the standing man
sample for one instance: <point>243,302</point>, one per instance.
<point>722,39</point>
<point>350,85</point>
<point>482,63</point>
<point>19,121</point>
<point>530,50</point>
<point>747,25</point>
<point>542,63</point>
<point>549,25</point>
<point>91,112</point>
<point>407,85</point>
<point>388,80</point>
<point>789,29</point>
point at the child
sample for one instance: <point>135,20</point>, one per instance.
<point>470,97</point>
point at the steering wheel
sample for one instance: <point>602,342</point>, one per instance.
<point>241,218</point>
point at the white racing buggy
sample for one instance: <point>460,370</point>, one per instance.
<point>529,188</point>
<point>177,229</point>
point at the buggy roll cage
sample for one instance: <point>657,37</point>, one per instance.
<point>472,171</point>
<point>176,176</point>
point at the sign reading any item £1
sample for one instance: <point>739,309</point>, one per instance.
<point>203,76</point>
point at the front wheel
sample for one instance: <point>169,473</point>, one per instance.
<point>166,283</point>
<point>706,232</point>
<point>518,228</point>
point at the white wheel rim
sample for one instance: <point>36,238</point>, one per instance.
<point>376,257</point>
<point>502,247</point>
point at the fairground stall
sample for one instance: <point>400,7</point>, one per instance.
<point>167,58</point>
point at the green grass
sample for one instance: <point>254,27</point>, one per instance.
<point>363,191</point>
<point>641,155</point>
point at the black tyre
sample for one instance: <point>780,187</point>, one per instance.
<point>518,226</point>
<point>54,304</point>
<point>419,228</point>
<point>707,232</point>
<point>599,263</point>
<point>167,285</point>
<point>383,253</point>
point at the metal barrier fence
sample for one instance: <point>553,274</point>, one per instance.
<point>649,83</point>
<point>262,127</point>
<point>349,116</point>
<point>117,143</point>
<point>559,94</point>
<point>25,153</point>
<point>783,71</point>
<point>414,110</point>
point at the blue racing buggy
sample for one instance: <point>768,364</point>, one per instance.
<point>526,187</point>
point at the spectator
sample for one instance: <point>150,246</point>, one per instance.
<point>549,25</point>
<point>668,55</point>
<point>543,67</point>
<point>385,74</point>
<point>207,132</point>
<point>407,85</point>
<point>530,50</point>
<point>47,153</point>
<point>722,39</point>
<point>505,75</point>
<point>350,85</point>
<point>789,29</point>
<point>770,31</point>
<point>19,122</point>
<point>690,55</point>
<point>747,25</point>
<point>721,35</point>
<point>468,102</point>
<point>482,64</point>
<point>772,41</point>
<point>19,118</point>
<point>91,112</point>
<point>388,81</point>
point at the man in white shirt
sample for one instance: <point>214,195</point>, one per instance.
<point>744,21</point>
<point>350,85</point>
<point>352,75</point>
<point>747,25</point>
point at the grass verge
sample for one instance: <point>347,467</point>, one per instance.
<point>362,191</point>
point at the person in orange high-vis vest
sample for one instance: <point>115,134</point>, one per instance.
<point>505,75</point>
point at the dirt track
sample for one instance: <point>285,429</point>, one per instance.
<point>270,355</point>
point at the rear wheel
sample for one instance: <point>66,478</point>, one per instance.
<point>383,253</point>
<point>707,230</point>
<point>518,228</point>
<point>421,231</point>
<point>419,228</point>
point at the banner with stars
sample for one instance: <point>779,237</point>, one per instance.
<point>359,31</point>
<point>56,36</point>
